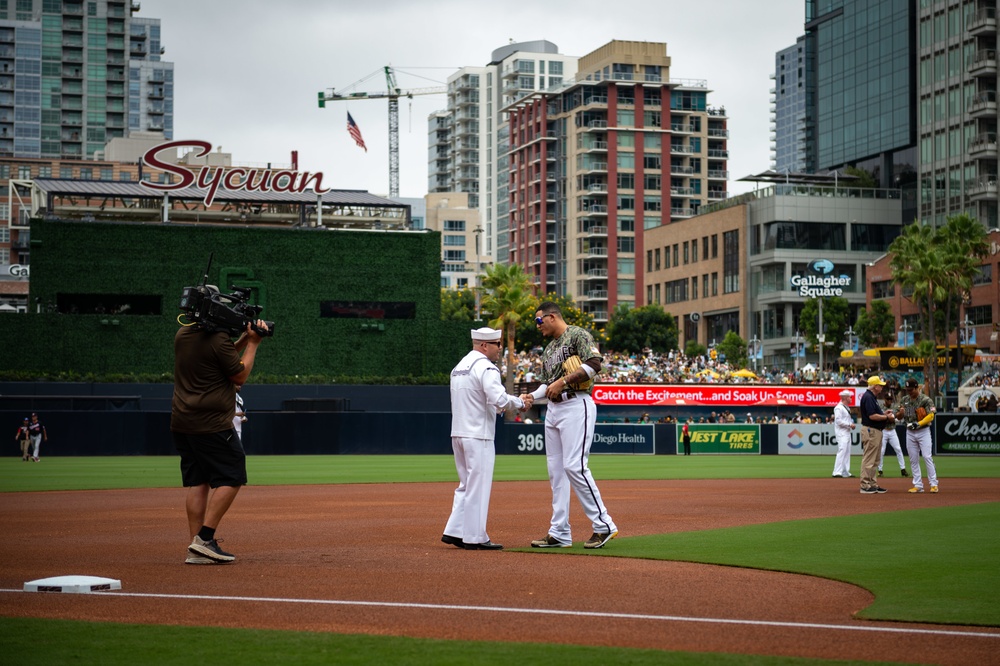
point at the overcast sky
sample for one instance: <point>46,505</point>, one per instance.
<point>247,71</point>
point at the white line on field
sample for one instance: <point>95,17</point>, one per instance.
<point>545,611</point>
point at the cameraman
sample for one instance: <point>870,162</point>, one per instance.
<point>208,366</point>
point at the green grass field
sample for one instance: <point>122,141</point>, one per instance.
<point>956,551</point>
<point>104,473</point>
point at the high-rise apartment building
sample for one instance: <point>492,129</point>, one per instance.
<point>788,110</point>
<point>595,161</point>
<point>75,74</point>
<point>468,141</point>
<point>957,90</point>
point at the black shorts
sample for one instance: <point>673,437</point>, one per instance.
<point>216,459</point>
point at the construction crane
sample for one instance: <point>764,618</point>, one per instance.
<point>392,94</point>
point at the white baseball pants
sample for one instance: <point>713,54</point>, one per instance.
<point>918,443</point>
<point>891,437</point>
<point>569,433</point>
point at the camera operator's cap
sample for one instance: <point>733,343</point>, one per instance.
<point>911,383</point>
<point>486,334</point>
<point>875,380</point>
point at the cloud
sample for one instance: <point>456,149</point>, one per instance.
<point>247,72</point>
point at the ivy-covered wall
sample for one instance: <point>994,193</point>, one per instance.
<point>292,271</point>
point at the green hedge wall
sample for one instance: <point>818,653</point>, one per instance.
<point>297,269</point>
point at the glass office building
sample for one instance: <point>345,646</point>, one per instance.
<point>860,71</point>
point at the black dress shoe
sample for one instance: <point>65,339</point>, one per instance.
<point>489,545</point>
<point>452,541</point>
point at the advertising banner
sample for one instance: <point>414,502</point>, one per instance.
<point>812,440</point>
<point>616,438</point>
<point>525,438</point>
<point>720,395</point>
<point>722,438</point>
<point>975,434</point>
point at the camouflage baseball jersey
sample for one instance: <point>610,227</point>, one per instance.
<point>910,406</point>
<point>574,341</point>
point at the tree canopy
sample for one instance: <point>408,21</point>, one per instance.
<point>631,330</point>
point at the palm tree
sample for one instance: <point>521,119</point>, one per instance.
<point>916,263</point>
<point>938,266</point>
<point>508,297</point>
<point>964,245</point>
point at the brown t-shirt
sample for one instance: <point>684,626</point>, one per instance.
<point>204,396</point>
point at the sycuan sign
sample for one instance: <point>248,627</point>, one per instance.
<point>233,179</point>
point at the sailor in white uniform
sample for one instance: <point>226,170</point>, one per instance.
<point>477,396</point>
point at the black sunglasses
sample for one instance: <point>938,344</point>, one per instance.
<point>539,320</point>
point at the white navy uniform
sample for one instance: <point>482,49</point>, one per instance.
<point>477,396</point>
<point>842,422</point>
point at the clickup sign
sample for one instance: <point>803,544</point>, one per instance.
<point>822,283</point>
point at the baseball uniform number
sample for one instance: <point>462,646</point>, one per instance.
<point>530,442</point>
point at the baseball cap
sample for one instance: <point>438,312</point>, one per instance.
<point>911,383</point>
<point>875,380</point>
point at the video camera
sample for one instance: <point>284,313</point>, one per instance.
<point>215,311</point>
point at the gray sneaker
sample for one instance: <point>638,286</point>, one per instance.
<point>549,542</point>
<point>198,559</point>
<point>210,549</point>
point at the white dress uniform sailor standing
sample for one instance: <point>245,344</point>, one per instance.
<point>477,396</point>
<point>843,424</point>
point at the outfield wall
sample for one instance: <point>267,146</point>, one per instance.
<point>134,432</point>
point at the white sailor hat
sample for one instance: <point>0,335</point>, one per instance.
<point>486,334</point>
<point>847,392</point>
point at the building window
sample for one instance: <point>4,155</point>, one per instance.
<point>694,287</point>
<point>704,285</point>
<point>626,223</point>
<point>984,276</point>
<point>694,252</point>
<point>981,315</point>
<point>687,252</point>
<point>626,244</point>
<point>649,261</point>
<point>454,240</point>
<point>715,284</point>
<point>730,262</point>
<point>454,255</point>
<point>24,173</point>
<point>675,291</point>
<point>656,258</point>
<point>704,247</point>
<point>454,225</point>
<point>666,256</point>
<point>883,289</point>
<point>715,246</point>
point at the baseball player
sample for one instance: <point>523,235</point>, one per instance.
<point>917,409</point>
<point>843,424</point>
<point>569,427</point>
<point>477,396</point>
<point>889,436</point>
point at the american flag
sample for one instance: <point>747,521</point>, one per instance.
<point>352,129</point>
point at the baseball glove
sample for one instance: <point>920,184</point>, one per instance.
<point>921,413</point>
<point>571,365</point>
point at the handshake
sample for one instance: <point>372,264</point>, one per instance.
<point>527,400</point>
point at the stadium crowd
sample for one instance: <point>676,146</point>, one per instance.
<point>676,368</point>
